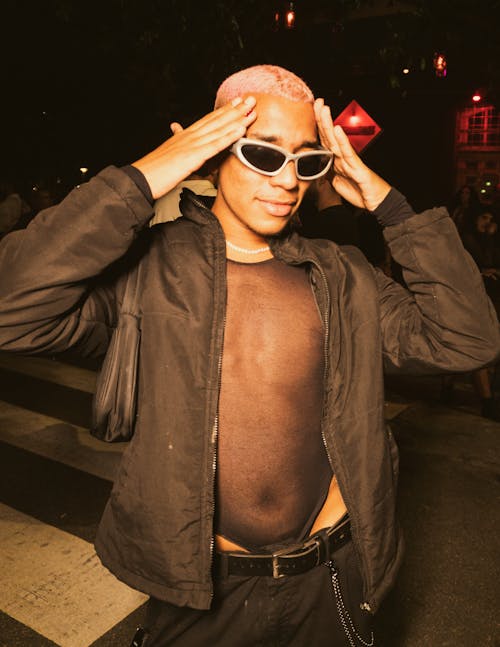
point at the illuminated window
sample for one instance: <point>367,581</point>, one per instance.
<point>483,127</point>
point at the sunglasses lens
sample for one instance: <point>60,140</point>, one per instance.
<point>262,157</point>
<point>311,165</point>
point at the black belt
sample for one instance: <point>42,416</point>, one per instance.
<point>290,561</point>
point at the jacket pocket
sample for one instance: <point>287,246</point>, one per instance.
<point>115,399</point>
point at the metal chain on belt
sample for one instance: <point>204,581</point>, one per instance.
<point>345,618</point>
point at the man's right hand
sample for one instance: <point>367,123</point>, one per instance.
<point>189,148</point>
<point>353,180</point>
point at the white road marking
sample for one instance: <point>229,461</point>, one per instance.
<point>51,371</point>
<point>58,440</point>
<point>54,583</point>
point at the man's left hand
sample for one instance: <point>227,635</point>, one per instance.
<point>353,180</point>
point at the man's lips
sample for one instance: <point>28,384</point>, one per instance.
<point>280,208</point>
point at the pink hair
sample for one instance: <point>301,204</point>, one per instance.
<point>263,79</point>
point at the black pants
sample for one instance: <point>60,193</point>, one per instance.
<point>307,610</point>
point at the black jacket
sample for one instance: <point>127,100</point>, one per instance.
<point>157,530</point>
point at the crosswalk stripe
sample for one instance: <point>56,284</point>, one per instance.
<point>51,371</point>
<point>54,583</point>
<point>58,440</point>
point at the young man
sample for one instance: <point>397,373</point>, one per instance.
<point>256,500</point>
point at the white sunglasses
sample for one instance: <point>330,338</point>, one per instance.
<point>270,159</point>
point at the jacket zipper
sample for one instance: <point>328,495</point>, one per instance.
<point>364,605</point>
<point>215,427</point>
<point>214,441</point>
<point>326,343</point>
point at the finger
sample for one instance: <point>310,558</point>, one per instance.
<point>325,125</point>
<point>339,167</point>
<point>210,143</point>
<point>321,120</point>
<point>175,127</point>
<point>218,140</point>
<point>318,104</point>
<point>226,132</point>
<point>344,145</point>
<point>235,110</point>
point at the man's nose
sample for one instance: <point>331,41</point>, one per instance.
<point>287,177</point>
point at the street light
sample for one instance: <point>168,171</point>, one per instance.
<point>83,172</point>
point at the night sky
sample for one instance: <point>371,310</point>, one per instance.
<point>90,84</point>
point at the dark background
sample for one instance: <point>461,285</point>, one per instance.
<point>93,83</point>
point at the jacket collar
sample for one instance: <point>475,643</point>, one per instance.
<point>288,246</point>
<point>193,208</point>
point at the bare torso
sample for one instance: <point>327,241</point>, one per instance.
<point>273,472</point>
<point>333,509</point>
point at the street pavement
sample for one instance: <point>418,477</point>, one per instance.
<point>448,590</point>
<point>55,480</point>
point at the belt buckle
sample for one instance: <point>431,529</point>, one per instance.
<point>276,567</point>
<point>285,553</point>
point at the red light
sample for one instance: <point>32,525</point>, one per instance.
<point>354,120</point>
<point>476,97</point>
<point>290,17</point>
<point>439,62</point>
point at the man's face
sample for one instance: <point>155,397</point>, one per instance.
<point>251,206</point>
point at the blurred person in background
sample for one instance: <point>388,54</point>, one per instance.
<point>465,206</point>
<point>479,234</point>
<point>12,207</point>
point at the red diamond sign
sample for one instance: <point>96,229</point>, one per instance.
<point>358,126</point>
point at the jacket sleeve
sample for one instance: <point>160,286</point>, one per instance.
<point>49,299</point>
<point>444,321</point>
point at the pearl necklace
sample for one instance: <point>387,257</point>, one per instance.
<point>243,250</point>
